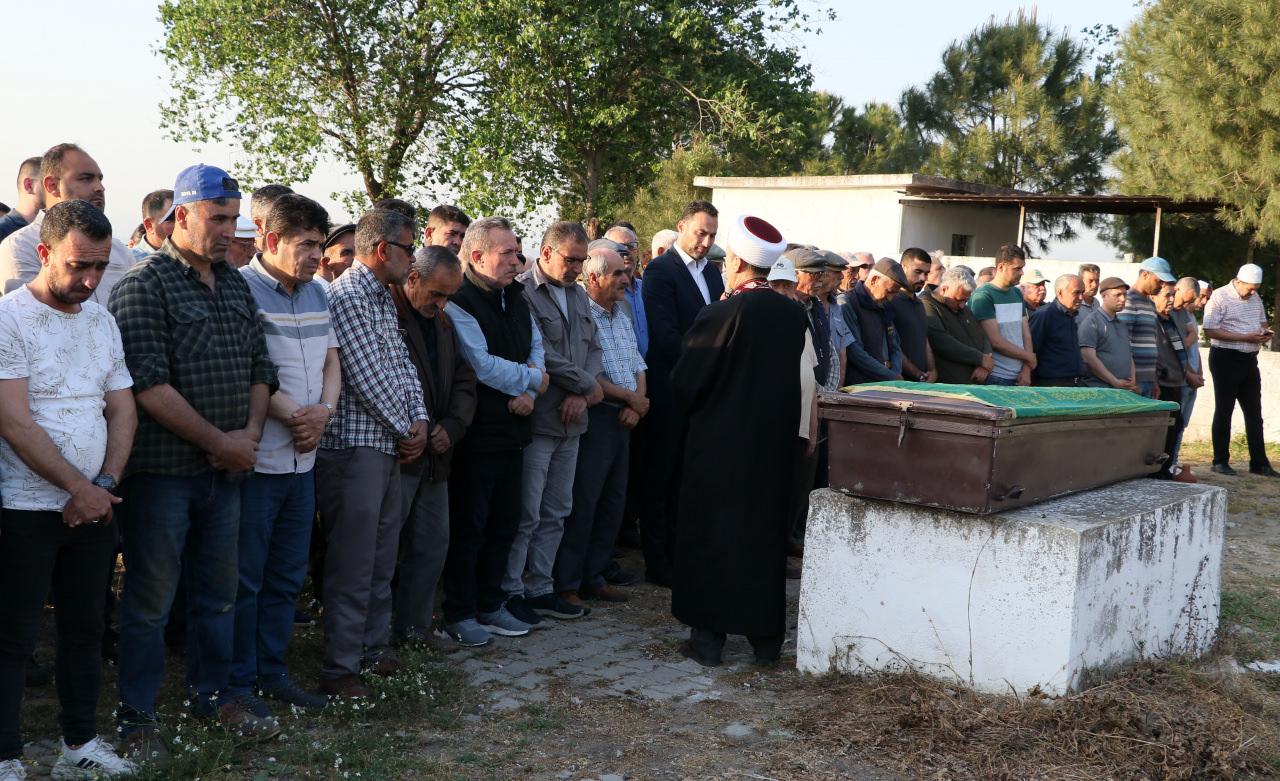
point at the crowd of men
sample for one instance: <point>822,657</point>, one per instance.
<point>235,405</point>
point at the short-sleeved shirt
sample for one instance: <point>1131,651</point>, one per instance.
<point>1139,314</point>
<point>299,336</point>
<point>619,353</point>
<point>10,223</point>
<point>1007,308</point>
<point>1186,322</point>
<point>207,344</point>
<point>1109,337</point>
<point>1227,311</point>
<point>70,361</point>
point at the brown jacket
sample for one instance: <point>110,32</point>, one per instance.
<point>450,397</point>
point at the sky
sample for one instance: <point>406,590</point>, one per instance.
<point>98,81</point>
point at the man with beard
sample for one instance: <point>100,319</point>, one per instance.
<point>67,173</point>
<point>874,354</point>
<point>677,285</point>
<point>67,419</point>
<point>739,364</point>
<point>910,320</point>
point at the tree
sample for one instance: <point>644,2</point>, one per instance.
<point>1197,101</point>
<point>1017,106</point>
<point>373,85</point>
<point>875,140</point>
<point>577,105</point>
<point>656,206</point>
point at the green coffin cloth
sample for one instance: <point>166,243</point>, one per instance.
<point>1031,402</point>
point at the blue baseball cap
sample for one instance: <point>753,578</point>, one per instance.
<point>1159,267</point>
<point>201,182</point>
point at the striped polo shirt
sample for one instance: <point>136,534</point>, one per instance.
<point>1227,311</point>
<point>1139,315</point>
<point>299,336</point>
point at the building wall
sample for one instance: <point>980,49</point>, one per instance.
<point>930,226</point>
<point>843,220</point>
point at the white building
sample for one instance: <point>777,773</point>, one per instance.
<point>886,213</point>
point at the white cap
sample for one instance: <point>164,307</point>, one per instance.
<point>756,241</point>
<point>1250,274</point>
<point>1204,283</point>
<point>245,229</point>
<point>784,270</point>
<point>1034,277</point>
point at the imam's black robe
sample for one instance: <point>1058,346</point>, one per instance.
<point>738,384</point>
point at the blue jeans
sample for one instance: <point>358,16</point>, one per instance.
<point>175,522</point>
<point>994,380</point>
<point>276,513</point>
<point>1188,404</point>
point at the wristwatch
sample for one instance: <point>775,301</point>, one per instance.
<point>106,482</point>
<point>329,407</point>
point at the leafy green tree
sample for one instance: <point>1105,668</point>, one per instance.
<point>1197,101</point>
<point>1018,106</point>
<point>376,86</point>
<point>579,104</point>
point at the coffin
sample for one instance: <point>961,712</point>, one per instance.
<point>983,449</point>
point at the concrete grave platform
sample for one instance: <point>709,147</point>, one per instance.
<point>1045,595</point>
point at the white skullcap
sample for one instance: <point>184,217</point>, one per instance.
<point>245,229</point>
<point>784,270</point>
<point>1250,274</point>
<point>756,241</point>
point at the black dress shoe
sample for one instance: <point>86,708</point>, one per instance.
<point>1223,469</point>
<point>687,650</point>
<point>1265,471</point>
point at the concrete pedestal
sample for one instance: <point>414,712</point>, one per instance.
<point>1045,595</point>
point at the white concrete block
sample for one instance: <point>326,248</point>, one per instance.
<point>1201,427</point>
<point>1046,595</point>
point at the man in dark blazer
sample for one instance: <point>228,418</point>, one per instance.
<point>449,390</point>
<point>677,285</point>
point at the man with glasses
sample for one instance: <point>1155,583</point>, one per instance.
<point>563,314</point>
<point>380,418</point>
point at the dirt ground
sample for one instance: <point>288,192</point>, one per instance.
<point>609,697</point>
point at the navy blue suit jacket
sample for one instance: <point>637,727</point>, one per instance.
<point>671,302</point>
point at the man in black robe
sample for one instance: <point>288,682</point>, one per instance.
<point>738,385</point>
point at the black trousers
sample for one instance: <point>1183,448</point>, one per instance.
<point>1174,394</point>
<point>664,448</point>
<point>484,510</point>
<point>1236,380</point>
<point>599,496</point>
<point>36,547</point>
<point>803,474</point>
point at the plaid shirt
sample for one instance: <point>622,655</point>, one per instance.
<point>381,394</point>
<point>207,344</point>
<point>619,353</point>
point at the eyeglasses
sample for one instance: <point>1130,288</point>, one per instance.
<point>409,248</point>
<point>569,258</point>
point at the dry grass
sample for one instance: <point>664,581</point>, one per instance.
<point>1160,721</point>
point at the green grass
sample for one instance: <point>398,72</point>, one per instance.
<point>1258,612</point>
<point>1202,452</point>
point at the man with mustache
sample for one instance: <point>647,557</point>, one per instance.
<point>202,379</point>
<point>67,173</point>
<point>278,500</point>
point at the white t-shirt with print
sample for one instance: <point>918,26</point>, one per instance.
<point>70,362</point>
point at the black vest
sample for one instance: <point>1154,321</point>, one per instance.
<point>509,333</point>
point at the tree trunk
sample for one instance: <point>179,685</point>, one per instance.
<point>1275,301</point>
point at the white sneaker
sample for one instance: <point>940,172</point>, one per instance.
<point>12,770</point>
<point>94,760</point>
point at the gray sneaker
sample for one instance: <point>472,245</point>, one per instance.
<point>501,622</point>
<point>467,633</point>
